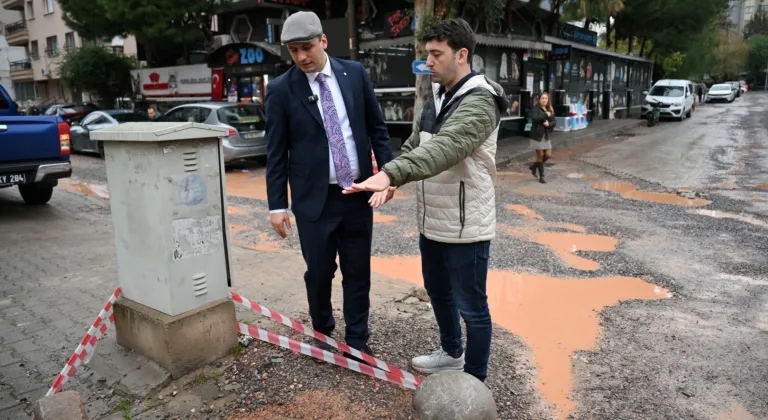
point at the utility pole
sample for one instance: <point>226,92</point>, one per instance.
<point>422,10</point>
<point>352,20</point>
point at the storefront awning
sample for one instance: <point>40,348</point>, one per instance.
<point>520,42</point>
<point>596,50</point>
<point>386,43</point>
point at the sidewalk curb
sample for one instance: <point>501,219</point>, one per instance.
<point>563,142</point>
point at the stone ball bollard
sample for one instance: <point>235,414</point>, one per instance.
<point>454,395</point>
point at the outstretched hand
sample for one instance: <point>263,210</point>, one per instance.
<point>377,183</point>
<point>382,197</point>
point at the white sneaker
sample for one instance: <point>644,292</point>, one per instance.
<point>438,361</point>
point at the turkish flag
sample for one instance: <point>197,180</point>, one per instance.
<point>217,84</point>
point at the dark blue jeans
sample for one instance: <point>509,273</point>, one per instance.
<point>455,277</point>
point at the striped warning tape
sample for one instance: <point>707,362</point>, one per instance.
<point>85,349</point>
<point>373,162</point>
<point>288,322</point>
<point>326,356</point>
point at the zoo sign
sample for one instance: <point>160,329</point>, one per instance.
<point>252,55</point>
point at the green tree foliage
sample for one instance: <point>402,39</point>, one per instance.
<point>592,11</point>
<point>154,23</point>
<point>731,55</point>
<point>757,60</point>
<point>758,25</point>
<point>672,64</point>
<point>94,69</point>
<point>671,25</point>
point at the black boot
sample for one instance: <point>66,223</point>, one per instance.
<point>534,167</point>
<point>541,173</point>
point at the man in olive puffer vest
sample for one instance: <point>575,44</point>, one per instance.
<point>452,153</point>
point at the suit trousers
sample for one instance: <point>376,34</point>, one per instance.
<point>345,227</point>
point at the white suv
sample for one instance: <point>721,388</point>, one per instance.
<point>674,98</point>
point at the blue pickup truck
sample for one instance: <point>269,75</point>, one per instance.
<point>34,152</point>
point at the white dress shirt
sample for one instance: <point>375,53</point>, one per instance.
<point>341,111</point>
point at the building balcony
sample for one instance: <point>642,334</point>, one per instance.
<point>17,33</point>
<point>21,70</point>
<point>12,4</point>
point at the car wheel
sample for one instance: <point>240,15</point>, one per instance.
<point>34,194</point>
<point>689,113</point>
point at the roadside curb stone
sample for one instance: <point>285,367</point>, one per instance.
<point>64,405</point>
<point>453,395</point>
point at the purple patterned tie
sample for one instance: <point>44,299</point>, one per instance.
<point>335,137</point>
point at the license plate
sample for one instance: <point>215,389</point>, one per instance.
<point>13,178</point>
<point>250,136</point>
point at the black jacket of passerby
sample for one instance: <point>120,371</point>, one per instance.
<point>538,117</point>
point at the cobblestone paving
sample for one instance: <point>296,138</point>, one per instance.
<point>53,282</point>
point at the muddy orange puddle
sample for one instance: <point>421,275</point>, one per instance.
<point>555,316</point>
<point>235,210</point>
<point>246,184</point>
<point>583,176</point>
<point>92,190</point>
<point>736,413</point>
<point>566,244</point>
<point>522,210</point>
<point>383,218</point>
<point>630,191</point>
<point>237,228</point>
<point>563,244</point>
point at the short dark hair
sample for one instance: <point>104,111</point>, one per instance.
<point>456,32</point>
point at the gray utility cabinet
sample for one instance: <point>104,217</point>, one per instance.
<point>169,210</point>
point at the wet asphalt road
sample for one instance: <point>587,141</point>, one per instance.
<point>690,337</point>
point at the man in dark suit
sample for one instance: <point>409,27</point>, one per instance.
<point>323,118</point>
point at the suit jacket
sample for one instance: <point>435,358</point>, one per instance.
<point>297,150</point>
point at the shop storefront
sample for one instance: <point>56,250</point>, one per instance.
<point>243,70</point>
<point>605,84</point>
<point>503,59</point>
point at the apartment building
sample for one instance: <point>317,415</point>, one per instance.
<point>8,54</point>
<point>750,7</point>
<point>736,13</point>
<point>46,40</point>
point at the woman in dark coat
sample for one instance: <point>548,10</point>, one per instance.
<point>543,122</point>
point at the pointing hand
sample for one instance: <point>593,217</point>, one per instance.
<point>377,183</point>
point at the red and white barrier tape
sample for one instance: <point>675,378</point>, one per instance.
<point>86,347</point>
<point>326,356</point>
<point>373,162</point>
<point>288,322</point>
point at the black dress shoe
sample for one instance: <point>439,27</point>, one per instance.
<point>321,345</point>
<point>365,349</point>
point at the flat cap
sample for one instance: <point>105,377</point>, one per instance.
<point>301,27</point>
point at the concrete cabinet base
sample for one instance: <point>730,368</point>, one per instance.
<point>182,343</point>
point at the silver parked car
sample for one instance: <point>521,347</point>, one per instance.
<point>245,123</point>
<point>721,92</point>
<point>80,133</point>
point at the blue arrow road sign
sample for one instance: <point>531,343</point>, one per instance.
<point>420,67</point>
